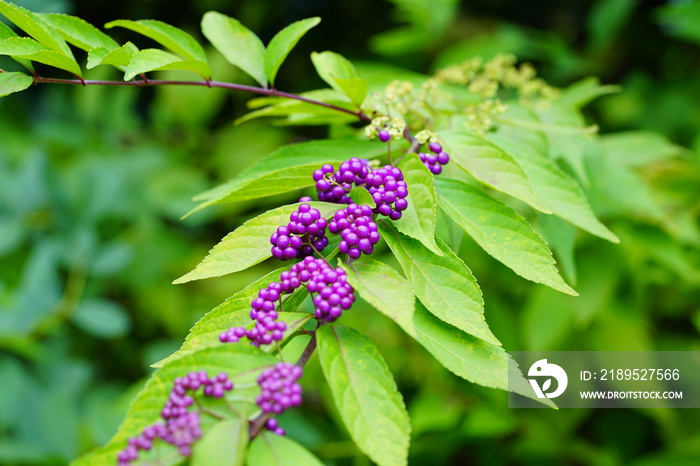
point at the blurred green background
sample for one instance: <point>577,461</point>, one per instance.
<point>93,183</point>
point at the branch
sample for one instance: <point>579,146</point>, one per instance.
<point>224,85</point>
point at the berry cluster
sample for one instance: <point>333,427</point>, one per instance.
<point>357,230</point>
<point>267,329</point>
<point>279,390</point>
<point>306,227</point>
<point>334,186</point>
<point>436,160</point>
<point>182,428</point>
<point>389,191</point>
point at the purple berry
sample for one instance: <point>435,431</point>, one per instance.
<point>279,390</point>
<point>436,160</point>
<point>388,190</point>
<point>384,135</point>
<point>334,186</point>
<point>355,226</point>
<point>306,227</point>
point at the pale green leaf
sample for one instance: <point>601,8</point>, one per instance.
<point>242,362</point>
<point>365,394</point>
<point>268,449</point>
<point>444,284</point>
<point>354,88</point>
<point>340,74</point>
<point>14,82</point>
<point>119,57</point>
<point>382,287</point>
<point>6,33</point>
<point>492,166</point>
<point>580,93</point>
<point>24,47</point>
<point>147,60</point>
<point>249,244</point>
<point>290,167</point>
<point>223,444</point>
<point>79,32</point>
<point>639,148</point>
<point>283,43</point>
<point>238,44</point>
<point>360,196</point>
<point>501,232</point>
<point>418,220</point>
<point>33,25</point>
<point>171,38</point>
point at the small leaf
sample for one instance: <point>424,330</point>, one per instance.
<point>155,59</point>
<point>268,449</point>
<point>249,244</point>
<point>24,47</point>
<point>14,82</point>
<point>444,284</point>
<point>33,25</point>
<point>238,44</point>
<point>501,232</point>
<point>6,33</point>
<point>418,220</point>
<point>283,43</point>
<point>224,444</point>
<point>581,93</point>
<point>382,287</point>
<point>119,57</point>
<point>492,166</point>
<point>172,38</point>
<point>340,74</point>
<point>365,394</point>
<point>360,195</point>
<point>354,88</point>
<point>79,32</point>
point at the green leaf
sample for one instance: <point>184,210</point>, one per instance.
<point>6,33</point>
<point>235,312</point>
<point>289,168</point>
<point>238,44</point>
<point>501,232</point>
<point>119,57</point>
<point>360,195</point>
<point>382,287</point>
<point>444,284</point>
<point>418,220</point>
<point>224,444</point>
<point>365,394</point>
<point>340,74</point>
<point>492,166</point>
<point>102,318</point>
<point>24,47</point>
<point>33,25</point>
<point>291,108</point>
<point>268,449</point>
<point>242,362</point>
<point>171,38</point>
<point>560,192</point>
<point>283,43</point>
<point>14,82</point>
<point>468,357</point>
<point>581,93</point>
<point>155,59</point>
<point>249,244</point>
<point>639,148</point>
<point>79,32</point>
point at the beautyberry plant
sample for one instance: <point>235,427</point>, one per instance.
<point>475,141</point>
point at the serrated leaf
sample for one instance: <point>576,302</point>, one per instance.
<point>14,82</point>
<point>223,444</point>
<point>382,287</point>
<point>238,44</point>
<point>268,449</point>
<point>418,220</point>
<point>283,43</point>
<point>365,394</point>
<point>492,166</point>
<point>501,232</point>
<point>249,244</point>
<point>290,167</point>
<point>354,88</point>
<point>6,33</point>
<point>340,74</point>
<point>235,312</point>
<point>24,47</point>
<point>33,25</point>
<point>79,32</point>
<point>147,60</point>
<point>119,57</point>
<point>558,190</point>
<point>444,284</point>
<point>171,38</point>
<point>240,361</point>
<point>468,357</point>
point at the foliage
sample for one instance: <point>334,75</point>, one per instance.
<point>521,177</point>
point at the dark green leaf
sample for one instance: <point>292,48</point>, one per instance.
<point>283,43</point>
<point>365,394</point>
